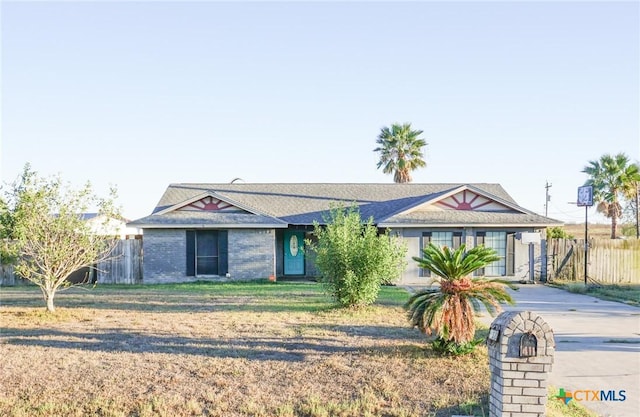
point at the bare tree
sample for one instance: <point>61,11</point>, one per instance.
<point>42,219</point>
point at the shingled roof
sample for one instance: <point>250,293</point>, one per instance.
<point>282,204</point>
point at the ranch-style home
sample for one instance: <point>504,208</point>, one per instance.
<point>247,231</point>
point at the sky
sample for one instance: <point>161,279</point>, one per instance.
<point>138,95</point>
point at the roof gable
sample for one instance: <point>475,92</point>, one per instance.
<point>207,202</point>
<point>464,198</point>
<point>469,200</point>
<point>306,203</point>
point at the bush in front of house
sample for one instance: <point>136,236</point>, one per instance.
<point>353,259</point>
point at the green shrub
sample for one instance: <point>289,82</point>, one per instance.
<point>558,233</point>
<point>450,347</point>
<point>353,259</point>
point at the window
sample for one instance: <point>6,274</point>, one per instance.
<point>498,242</point>
<point>206,252</point>
<point>450,239</point>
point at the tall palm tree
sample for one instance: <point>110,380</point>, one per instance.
<point>449,312</point>
<point>400,151</point>
<point>611,177</point>
<point>631,192</point>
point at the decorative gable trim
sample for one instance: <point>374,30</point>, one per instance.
<point>468,200</point>
<point>451,200</point>
<point>208,203</point>
<point>222,201</point>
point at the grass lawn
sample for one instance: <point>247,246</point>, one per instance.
<point>234,349</point>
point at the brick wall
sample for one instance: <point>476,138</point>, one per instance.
<point>251,255</point>
<point>164,258</point>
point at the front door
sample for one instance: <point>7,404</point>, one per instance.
<point>293,253</point>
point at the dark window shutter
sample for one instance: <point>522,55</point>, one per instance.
<point>191,253</point>
<point>223,252</point>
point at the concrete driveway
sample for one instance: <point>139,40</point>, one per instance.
<point>597,344</point>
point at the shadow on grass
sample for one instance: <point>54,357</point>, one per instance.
<point>169,301</point>
<point>252,348</point>
<point>195,297</point>
<point>122,341</point>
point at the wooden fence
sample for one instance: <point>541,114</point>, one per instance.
<point>608,261</point>
<point>125,264</point>
<point>123,267</point>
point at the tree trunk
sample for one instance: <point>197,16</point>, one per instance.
<point>49,297</point>
<point>614,223</point>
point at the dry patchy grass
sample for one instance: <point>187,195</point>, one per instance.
<point>224,350</point>
<point>624,293</point>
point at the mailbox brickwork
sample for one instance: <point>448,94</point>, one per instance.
<point>521,349</point>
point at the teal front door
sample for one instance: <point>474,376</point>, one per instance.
<point>293,253</point>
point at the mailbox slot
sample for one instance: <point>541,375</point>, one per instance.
<point>528,345</point>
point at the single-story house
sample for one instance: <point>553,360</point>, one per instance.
<point>248,231</point>
<point>109,226</point>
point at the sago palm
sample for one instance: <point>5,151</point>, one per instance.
<point>400,151</point>
<point>450,312</point>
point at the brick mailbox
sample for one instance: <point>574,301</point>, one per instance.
<point>521,348</point>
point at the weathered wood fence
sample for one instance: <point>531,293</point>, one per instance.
<point>125,264</point>
<point>608,261</point>
<point>123,267</point>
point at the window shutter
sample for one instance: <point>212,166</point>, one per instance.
<point>191,253</point>
<point>511,243</point>
<point>223,252</point>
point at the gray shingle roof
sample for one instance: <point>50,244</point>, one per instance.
<point>470,218</point>
<point>301,204</point>
<point>197,219</point>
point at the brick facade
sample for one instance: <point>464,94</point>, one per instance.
<point>164,256</point>
<point>251,255</point>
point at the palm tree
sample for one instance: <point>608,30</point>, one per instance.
<point>612,177</point>
<point>400,151</point>
<point>449,312</point>
<point>631,192</point>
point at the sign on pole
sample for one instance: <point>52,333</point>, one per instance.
<point>585,196</point>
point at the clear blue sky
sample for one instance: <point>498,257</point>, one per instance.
<point>143,94</point>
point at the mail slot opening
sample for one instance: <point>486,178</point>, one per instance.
<point>528,345</point>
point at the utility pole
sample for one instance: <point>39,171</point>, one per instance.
<point>548,197</point>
